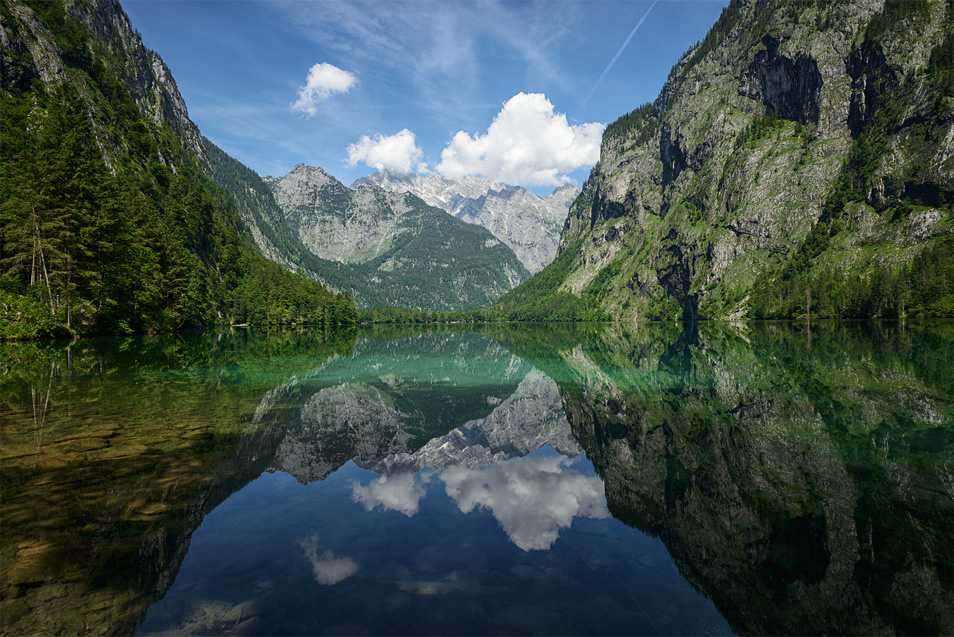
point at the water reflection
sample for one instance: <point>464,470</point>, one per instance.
<point>386,399</point>
<point>531,498</point>
<point>329,569</point>
<point>530,418</point>
<point>397,492</point>
<point>798,476</point>
<point>111,453</point>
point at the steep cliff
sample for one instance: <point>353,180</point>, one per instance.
<point>529,224</point>
<point>111,222</point>
<point>798,161</point>
<point>392,249</point>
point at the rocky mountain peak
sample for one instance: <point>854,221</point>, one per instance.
<point>528,224</point>
<point>392,244</point>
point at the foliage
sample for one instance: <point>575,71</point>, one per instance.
<point>110,225</point>
<point>893,13</point>
<point>640,123</point>
<point>540,298</point>
<point>924,288</point>
<point>941,62</point>
<point>764,125</point>
<point>537,299</point>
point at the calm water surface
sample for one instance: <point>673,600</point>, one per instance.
<point>654,479</point>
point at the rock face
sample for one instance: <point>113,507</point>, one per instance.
<point>335,222</point>
<point>28,51</point>
<point>530,225</point>
<point>392,248</point>
<point>786,117</point>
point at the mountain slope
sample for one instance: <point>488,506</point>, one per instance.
<point>798,161</point>
<point>110,222</point>
<point>530,225</point>
<point>392,249</point>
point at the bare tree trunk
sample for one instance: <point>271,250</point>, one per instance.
<point>38,248</point>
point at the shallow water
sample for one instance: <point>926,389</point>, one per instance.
<point>653,479</point>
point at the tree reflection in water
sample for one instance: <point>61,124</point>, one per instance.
<point>799,475</point>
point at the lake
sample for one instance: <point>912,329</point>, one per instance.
<point>659,478</point>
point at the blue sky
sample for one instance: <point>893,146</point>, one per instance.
<point>515,91</point>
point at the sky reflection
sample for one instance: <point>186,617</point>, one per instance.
<point>400,492</point>
<point>532,498</point>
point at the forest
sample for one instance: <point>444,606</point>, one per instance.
<point>108,223</point>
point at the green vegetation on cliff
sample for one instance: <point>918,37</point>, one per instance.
<point>789,167</point>
<point>109,223</point>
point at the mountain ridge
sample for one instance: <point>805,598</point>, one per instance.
<point>529,224</point>
<point>392,248</point>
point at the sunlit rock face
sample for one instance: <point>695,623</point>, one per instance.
<point>392,248</point>
<point>528,224</point>
<point>785,480</point>
<point>695,197</point>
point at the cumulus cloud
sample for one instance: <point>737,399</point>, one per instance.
<point>323,81</point>
<point>532,498</point>
<point>401,492</point>
<point>397,153</point>
<point>327,569</point>
<point>527,144</point>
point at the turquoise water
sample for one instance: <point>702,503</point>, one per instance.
<point>653,479</point>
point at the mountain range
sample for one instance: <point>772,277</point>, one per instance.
<point>392,248</point>
<point>172,225</point>
<point>528,224</point>
<point>798,162</point>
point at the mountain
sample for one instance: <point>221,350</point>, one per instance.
<point>111,222</point>
<point>392,248</point>
<point>799,161</point>
<point>530,225</point>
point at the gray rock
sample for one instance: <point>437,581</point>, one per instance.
<point>527,223</point>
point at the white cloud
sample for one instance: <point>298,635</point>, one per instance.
<point>532,498</point>
<point>401,492</point>
<point>323,81</point>
<point>327,569</point>
<point>526,144</point>
<point>397,153</point>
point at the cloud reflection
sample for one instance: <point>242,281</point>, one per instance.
<point>327,569</point>
<point>532,498</point>
<point>399,492</point>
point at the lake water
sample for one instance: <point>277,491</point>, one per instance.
<point>779,478</point>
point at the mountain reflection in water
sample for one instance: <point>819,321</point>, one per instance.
<point>556,479</point>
